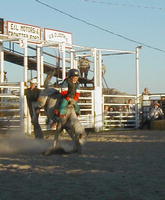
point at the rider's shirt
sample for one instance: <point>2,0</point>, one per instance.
<point>70,90</point>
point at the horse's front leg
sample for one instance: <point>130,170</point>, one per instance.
<point>75,138</point>
<point>57,134</point>
<point>77,146</point>
<point>55,147</point>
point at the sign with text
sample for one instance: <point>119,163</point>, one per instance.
<point>58,36</point>
<point>20,30</point>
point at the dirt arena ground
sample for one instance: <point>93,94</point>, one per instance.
<point>116,165</point>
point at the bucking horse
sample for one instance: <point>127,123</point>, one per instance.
<point>50,99</point>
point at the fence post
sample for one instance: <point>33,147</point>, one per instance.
<point>137,86</point>
<point>1,63</point>
<point>98,99</point>
<point>27,118</point>
<point>22,106</point>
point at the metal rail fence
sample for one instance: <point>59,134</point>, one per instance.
<point>119,111</point>
<point>11,107</point>
<point>14,113</point>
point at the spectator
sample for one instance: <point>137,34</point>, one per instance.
<point>146,104</point>
<point>146,91</point>
<point>32,93</point>
<point>84,66</point>
<point>146,97</point>
<point>155,113</point>
<point>131,106</point>
<point>106,115</point>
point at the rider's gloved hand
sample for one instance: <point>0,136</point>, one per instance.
<point>67,98</point>
<point>62,116</point>
<point>56,112</point>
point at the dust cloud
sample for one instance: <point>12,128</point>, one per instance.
<point>19,143</point>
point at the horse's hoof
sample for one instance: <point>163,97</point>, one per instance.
<point>48,152</point>
<point>78,151</point>
<point>52,151</point>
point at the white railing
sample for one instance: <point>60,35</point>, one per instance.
<point>14,112</point>
<point>87,108</point>
<point>11,106</point>
<point>118,112</point>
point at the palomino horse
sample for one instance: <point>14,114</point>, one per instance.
<point>50,101</point>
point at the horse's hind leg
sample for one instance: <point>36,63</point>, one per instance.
<point>76,143</point>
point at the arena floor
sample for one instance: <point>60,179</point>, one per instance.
<point>116,165</point>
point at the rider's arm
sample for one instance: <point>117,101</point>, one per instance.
<point>64,88</point>
<point>77,94</point>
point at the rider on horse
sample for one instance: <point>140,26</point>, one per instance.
<point>70,92</point>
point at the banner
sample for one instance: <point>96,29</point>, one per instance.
<point>58,36</point>
<point>20,30</point>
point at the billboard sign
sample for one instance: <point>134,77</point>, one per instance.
<point>52,35</point>
<point>20,30</point>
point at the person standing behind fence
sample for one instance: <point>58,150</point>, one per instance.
<point>84,66</point>
<point>146,104</point>
<point>146,97</point>
<point>155,113</point>
<point>131,106</point>
<point>32,93</point>
<point>106,116</point>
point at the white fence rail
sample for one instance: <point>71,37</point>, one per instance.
<point>87,108</point>
<point>119,111</point>
<point>11,104</point>
<point>123,111</point>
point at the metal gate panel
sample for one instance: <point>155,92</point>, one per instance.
<point>10,107</point>
<point>118,112</point>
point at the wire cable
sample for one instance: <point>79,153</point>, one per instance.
<point>99,27</point>
<point>124,5</point>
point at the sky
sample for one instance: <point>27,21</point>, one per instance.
<point>139,20</point>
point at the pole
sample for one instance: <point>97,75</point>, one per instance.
<point>95,66</point>
<point>62,48</point>
<point>25,60</point>
<point>72,59</point>
<point>38,66</point>
<point>22,106</point>
<point>98,99</point>
<point>42,67</point>
<point>138,86</point>
<point>1,63</point>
